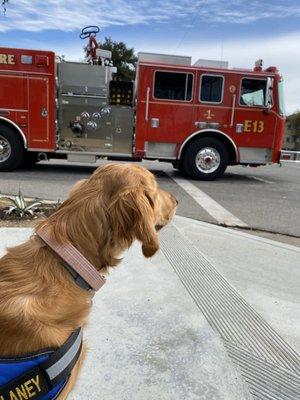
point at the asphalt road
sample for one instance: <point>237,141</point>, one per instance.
<point>264,199</point>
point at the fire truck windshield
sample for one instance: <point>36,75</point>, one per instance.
<point>281,103</point>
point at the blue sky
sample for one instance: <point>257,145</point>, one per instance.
<point>238,31</point>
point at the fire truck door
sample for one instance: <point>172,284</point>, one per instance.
<point>38,108</point>
<point>254,121</point>
<point>212,99</point>
<point>169,112</point>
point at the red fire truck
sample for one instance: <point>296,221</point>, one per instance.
<point>199,117</point>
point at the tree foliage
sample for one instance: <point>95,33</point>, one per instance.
<point>123,58</point>
<point>293,123</point>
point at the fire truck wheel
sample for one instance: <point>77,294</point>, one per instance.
<point>11,149</point>
<point>205,159</point>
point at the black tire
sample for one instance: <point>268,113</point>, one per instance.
<point>216,152</point>
<point>11,149</point>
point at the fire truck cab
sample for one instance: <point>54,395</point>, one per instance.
<point>201,118</point>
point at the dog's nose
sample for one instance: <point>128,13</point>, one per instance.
<point>176,202</point>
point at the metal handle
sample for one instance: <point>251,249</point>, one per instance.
<point>106,75</point>
<point>201,124</point>
<point>232,110</point>
<point>147,104</point>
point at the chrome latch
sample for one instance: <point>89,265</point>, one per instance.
<point>44,112</point>
<point>154,122</point>
<point>239,128</point>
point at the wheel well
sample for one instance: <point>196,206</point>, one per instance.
<point>232,153</point>
<point>5,122</point>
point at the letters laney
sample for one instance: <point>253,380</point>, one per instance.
<point>28,388</point>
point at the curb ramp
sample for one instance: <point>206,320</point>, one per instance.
<point>267,363</point>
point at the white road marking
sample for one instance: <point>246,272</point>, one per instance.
<point>253,177</point>
<point>260,179</point>
<point>213,208</point>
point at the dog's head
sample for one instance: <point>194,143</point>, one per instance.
<point>138,207</point>
<point>116,205</point>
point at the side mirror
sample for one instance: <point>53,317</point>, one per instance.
<point>269,93</point>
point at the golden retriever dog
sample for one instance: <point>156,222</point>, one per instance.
<point>40,303</point>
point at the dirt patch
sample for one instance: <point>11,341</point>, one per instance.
<point>18,224</point>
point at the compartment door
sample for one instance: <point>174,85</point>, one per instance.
<point>123,130</point>
<point>38,107</point>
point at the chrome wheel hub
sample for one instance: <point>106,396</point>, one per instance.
<point>208,160</point>
<point>5,149</point>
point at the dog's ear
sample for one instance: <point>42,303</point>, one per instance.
<point>133,215</point>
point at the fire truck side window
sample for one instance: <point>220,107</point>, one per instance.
<point>173,86</point>
<point>211,88</point>
<point>253,92</point>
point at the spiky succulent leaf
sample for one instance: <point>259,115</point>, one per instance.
<point>10,210</point>
<point>19,202</point>
<point>23,202</point>
<point>32,206</point>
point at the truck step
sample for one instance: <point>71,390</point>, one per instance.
<point>81,158</point>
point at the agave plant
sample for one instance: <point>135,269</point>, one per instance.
<point>20,206</point>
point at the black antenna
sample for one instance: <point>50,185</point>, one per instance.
<point>4,2</point>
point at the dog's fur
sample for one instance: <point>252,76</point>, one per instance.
<point>40,304</point>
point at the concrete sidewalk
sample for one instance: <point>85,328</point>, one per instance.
<point>215,315</point>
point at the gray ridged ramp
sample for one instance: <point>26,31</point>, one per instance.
<point>268,364</point>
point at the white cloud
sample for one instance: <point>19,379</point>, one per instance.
<point>68,15</point>
<point>280,51</point>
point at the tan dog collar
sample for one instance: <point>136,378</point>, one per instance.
<point>79,267</point>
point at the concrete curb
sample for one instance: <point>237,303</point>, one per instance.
<point>226,230</point>
<point>234,232</point>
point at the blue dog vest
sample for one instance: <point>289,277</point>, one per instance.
<point>39,376</point>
